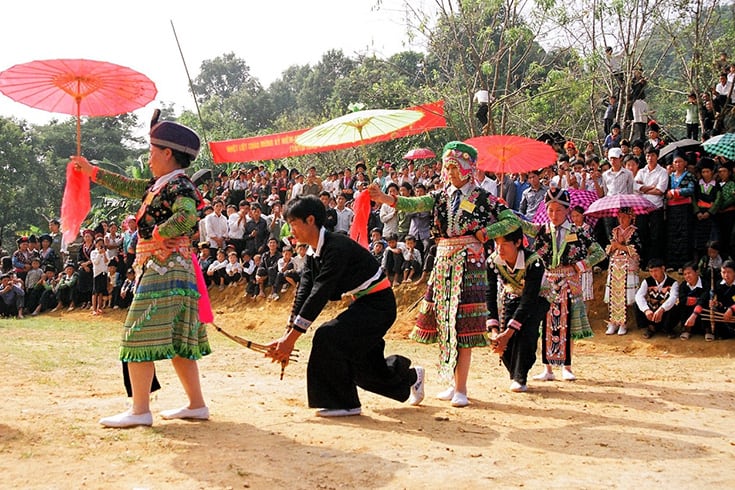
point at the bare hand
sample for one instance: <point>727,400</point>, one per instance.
<point>377,195</point>
<point>501,341</point>
<point>82,165</point>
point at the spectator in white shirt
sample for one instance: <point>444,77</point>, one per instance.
<point>216,227</point>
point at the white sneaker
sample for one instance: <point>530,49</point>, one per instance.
<point>446,395</point>
<point>516,387</point>
<point>622,330</point>
<point>611,329</point>
<point>545,376</point>
<point>417,389</point>
<point>460,400</point>
<point>127,419</point>
<point>338,412</point>
<point>567,375</point>
<point>186,413</point>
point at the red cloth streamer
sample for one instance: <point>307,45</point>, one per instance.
<point>361,208</point>
<point>205,307</point>
<point>75,204</point>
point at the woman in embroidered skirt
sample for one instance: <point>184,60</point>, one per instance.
<point>622,277</point>
<point>566,252</point>
<point>162,321</point>
<point>454,310</point>
<point>679,215</point>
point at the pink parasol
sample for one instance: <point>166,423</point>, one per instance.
<point>609,206</point>
<point>577,197</point>
<point>419,154</point>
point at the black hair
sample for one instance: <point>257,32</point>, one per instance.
<point>655,262</point>
<point>729,264</point>
<point>690,265</point>
<point>392,184</point>
<point>301,207</point>
<point>514,236</point>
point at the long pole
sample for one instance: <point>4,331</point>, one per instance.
<point>191,87</point>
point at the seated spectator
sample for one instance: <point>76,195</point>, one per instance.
<point>655,299</point>
<point>376,236</point>
<point>268,270</point>
<point>47,298</point>
<point>252,287</point>
<point>286,275</point>
<point>12,296</point>
<point>233,269</point>
<point>378,251</point>
<point>66,287</point>
<point>127,289</point>
<point>411,260</point>
<point>216,271</point>
<point>711,263</point>
<point>205,260</point>
<point>393,259</point>
<point>428,265</point>
<point>722,305</point>
<point>691,291</point>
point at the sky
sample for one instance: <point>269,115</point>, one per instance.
<point>268,35</point>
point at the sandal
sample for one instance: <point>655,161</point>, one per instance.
<point>685,336</point>
<point>709,337</point>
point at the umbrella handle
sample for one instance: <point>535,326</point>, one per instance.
<point>79,121</point>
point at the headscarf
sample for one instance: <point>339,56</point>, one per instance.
<point>461,154</point>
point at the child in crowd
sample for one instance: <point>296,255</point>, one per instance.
<point>252,287</point>
<point>99,259</point>
<point>127,289</point>
<point>393,259</point>
<point>411,260</point>
<point>113,286</point>
<point>217,270</point>
<point>691,290</point>
<point>233,270</point>
<point>66,287</point>
<point>655,299</point>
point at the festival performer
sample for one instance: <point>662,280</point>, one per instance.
<point>622,277</point>
<point>566,252</point>
<point>346,351</point>
<point>162,321</point>
<point>454,310</point>
<point>515,318</point>
<point>721,303</point>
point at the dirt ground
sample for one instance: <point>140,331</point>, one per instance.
<point>644,413</point>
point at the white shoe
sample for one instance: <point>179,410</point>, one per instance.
<point>417,389</point>
<point>622,330</point>
<point>567,375</point>
<point>127,419</point>
<point>446,394</point>
<point>460,400</point>
<point>186,413</point>
<point>611,329</point>
<point>516,387</point>
<point>545,376</point>
<point>338,412</point>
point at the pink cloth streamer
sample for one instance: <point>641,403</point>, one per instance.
<point>205,307</point>
<point>75,204</point>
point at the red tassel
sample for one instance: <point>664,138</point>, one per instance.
<point>361,208</point>
<point>75,204</point>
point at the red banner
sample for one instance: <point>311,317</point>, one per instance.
<point>282,145</point>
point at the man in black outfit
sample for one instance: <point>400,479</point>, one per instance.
<point>347,351</point>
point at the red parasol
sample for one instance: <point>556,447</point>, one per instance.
<point>419,154</point>
<point>505,153</point>
<point>81,88</point>
<point>78,87</point>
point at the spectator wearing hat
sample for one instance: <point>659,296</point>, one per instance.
<point>616,180</point>
<point>705,197</point>
<point>22,257</point>
<point>464,216</point>
<point>652,182</point>
<point>12,296</point>
<point>162,321</point>
<point>679,215</point>
<point>86,275</point>
<point>66,287</point>
<point>655,300</point>
<point>566,251</point>
<point>612,140</point>
<point>654,138</point>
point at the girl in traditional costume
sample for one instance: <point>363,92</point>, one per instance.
<point>566,251</point>
<point>454,310</point>
<point>622,278</point>
<point>162,321</point>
